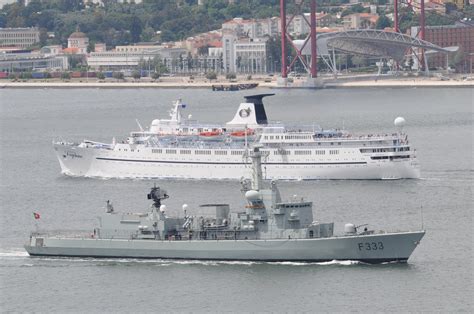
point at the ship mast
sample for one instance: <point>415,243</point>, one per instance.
<point>257,180</point>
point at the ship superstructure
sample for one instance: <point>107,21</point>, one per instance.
<point>267,228</point>
<point>180,147</point>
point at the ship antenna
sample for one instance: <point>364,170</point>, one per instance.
<point>421,213</point>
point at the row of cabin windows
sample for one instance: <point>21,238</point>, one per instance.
<point>197,152</point>
<point>384,150</point>
<point>237,152</point>
<point>287,137</point>
<point>302,152</point>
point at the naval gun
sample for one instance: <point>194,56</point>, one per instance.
<point>157,194</point>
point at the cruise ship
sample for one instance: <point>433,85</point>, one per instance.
<point>180,147</point>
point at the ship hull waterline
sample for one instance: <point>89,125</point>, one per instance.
<point>376,248</point>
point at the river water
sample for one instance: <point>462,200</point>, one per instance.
<point>438,277</point>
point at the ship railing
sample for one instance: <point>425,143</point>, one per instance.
<point>77,234</point>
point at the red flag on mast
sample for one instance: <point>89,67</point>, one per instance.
<point>37,216</point>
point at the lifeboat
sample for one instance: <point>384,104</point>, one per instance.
<point>242,133</point>
<point>210,135</point>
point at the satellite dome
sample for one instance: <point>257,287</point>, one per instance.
<point>399,121</point>
<point>253,195</point>
<point>162,208</point>
<point>185,207</point>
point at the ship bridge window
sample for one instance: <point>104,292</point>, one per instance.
<point>237,152</point>
<point>171,151</point>
<point>156,151</point>
<point>333,152</point>
<point>185,151</point>
<point>319,152</point>
<point>220,152</point>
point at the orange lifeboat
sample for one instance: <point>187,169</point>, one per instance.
<point>210,133</point>
<point>242,133</point>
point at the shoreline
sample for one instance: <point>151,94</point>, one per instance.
<point>297,84</point>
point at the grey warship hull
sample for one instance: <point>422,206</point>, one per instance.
<point>373,248</point>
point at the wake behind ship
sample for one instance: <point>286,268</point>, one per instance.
<point>180,147</point>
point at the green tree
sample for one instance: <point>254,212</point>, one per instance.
<point>100,75</point>
<point>118,75</point>
<point>383,22</point>
<point>136,75</point>
<point>211,76</point>
<point>231,76</point>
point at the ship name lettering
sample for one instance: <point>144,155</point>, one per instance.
<point>370,246</point>
<point>73,155</point>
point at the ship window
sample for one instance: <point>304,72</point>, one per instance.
<point>311,233</point>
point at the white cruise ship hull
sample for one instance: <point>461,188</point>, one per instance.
<point>143,163</point>
<point>375,248</point>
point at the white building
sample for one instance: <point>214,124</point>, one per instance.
<point>246,55</point>
<point>19,37</point>
<point>19,62</point>
<point>127,58</point>
<point>251,55</point>
<point>52,50</point>
<point>78,40</point>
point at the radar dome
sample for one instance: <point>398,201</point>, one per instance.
<point>185,207</point>
<point>162,208</point>
<point>349,228</point>
<point>253,195</point>
<point>400,121</point>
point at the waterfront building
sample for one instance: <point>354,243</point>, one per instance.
<point>79,42</point>
<point>228,46</point>
<point>29,62</point>
<point>460,35</point>
<point>243,55</point>
<point>19,37</point>
<point>129,57</point>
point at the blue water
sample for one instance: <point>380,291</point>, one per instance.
<point>438,277</point>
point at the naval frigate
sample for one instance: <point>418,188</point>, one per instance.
<point>268,229</point>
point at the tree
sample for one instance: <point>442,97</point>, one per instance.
<point>383,22</point>
<point>136,75</point>
<point>231,76</point>
<point>100,76</point>
<point>135,29</point>
<point>118,75</point>
<point>211,76</point>
<point>65,76</point>
<point>156,75</point>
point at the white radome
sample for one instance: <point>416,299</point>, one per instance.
<point>162,208</point>
<point>185,207</point>
<point>399,121</point>
<point>253,195</point>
